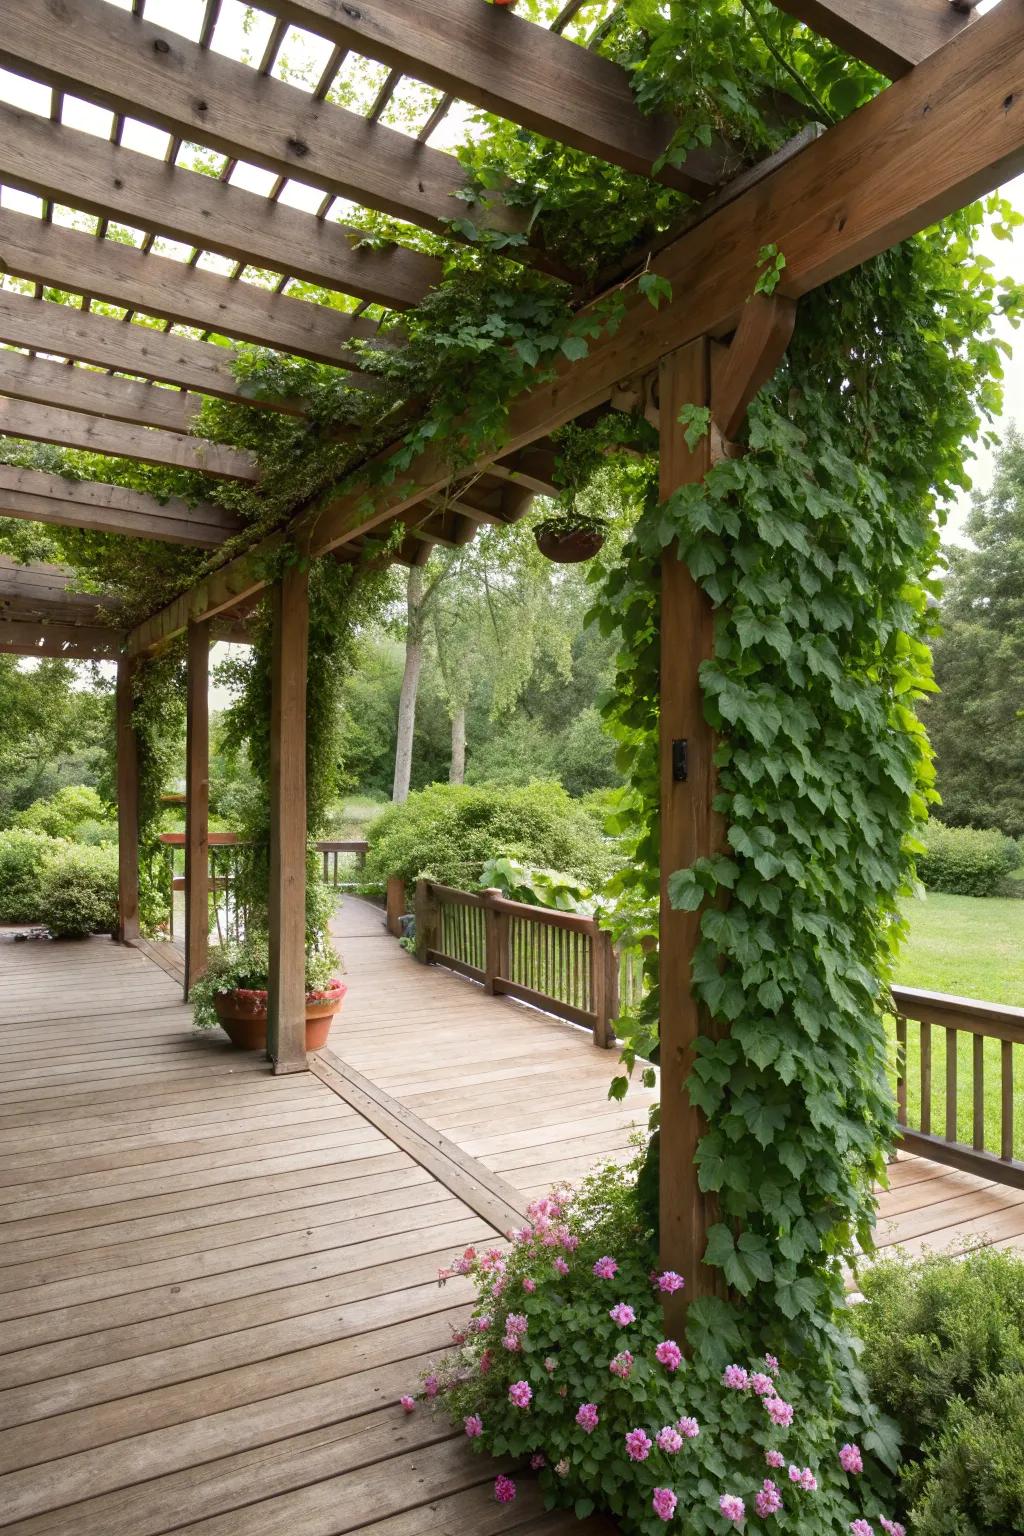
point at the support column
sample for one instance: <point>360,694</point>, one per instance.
<point>286,1023</point>
<point>690,829</point>
<point>197,805</point>
<point>127,805</point>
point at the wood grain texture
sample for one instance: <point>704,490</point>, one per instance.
<point>76,429</point>
<point>81,389</point>
<point>83,642</point>
<point>40,497</point>
<point>890,35</point>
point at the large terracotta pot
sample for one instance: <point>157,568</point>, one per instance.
<point>243,1016</point>
<point>569,548</point>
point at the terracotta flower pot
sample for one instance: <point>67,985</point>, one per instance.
<point>569,548</point>
<point>243,1016</point>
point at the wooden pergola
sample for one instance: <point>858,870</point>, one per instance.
<point>948,129</point>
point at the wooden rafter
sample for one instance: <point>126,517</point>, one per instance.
<point>79,642</point>
<point>75,429</point>
<point>490,57</point>
<point>944,135</point>
<point>39,497</point>
<point>108,181</point>
<point>890,35</point>
<point>134,66</point>
<point>82,389</point>
<point>120,274</point>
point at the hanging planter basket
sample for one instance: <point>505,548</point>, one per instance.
<point>568,545</point>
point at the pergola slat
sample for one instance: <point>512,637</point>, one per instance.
<point>80,389</point>
<point>74,429</point>
<point>134,66</point>
<point>82,642</point>
<point>890,35</point>
<point>494,59</point>
<point>157,285</point>
<point>39,497</point>
<point>945,134</point>
<point>90,338</point>
<point>112,182</point>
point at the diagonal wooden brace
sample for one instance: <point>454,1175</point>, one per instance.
<point>739,370</point>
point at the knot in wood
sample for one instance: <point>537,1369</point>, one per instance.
<point>161,45</point>
<point>298,147</point>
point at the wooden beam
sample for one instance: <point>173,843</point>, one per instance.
<point>950,131</point>
<point>158,285</point>
<point>286,1023</point>
<point>197,804</point>
<point>91,338</point>
<point>138,67</point>
<point>739,370</point>
<point>73,429</point>
<point>79,642</point>
<point>81,389</point>
<point>127,804</point>
<point>690,829</point>
<point>115,183</point>
<point>39,497</point>
<point>532,468</point>
<point>525,73</point>
<point>890,35</point>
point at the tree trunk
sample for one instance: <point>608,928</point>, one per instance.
<point>457,772</point>
<point>410,684</point>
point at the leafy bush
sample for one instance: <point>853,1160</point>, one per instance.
<point>246,967</point>
<point>23,858</point>
<point>78,890</point>
<point>535,887</point>
<point>964,861</point>
<point>944,1353</point>
<point>65,813</point>
<point>449,831</point>
<point>565,1364</point>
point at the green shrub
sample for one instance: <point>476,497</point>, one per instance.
<point>944,1354</point>
<point>449,831</point>
<point>964,861</point>
<point>23,858</point>
<point>63,814</point>
<point>78,890</point>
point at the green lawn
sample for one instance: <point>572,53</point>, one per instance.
<point>971,947</point>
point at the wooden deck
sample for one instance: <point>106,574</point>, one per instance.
<point>215,1283</point>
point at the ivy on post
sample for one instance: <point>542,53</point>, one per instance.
<point>197,804</point>
<point>286,1019</point>
<point>127,805</point>
<point>690,828</point>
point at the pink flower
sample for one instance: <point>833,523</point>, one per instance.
<point>670,1282</point>
<point>549,1364</point>
<point>735,1376</point>
<point>850,1459</point>
<point>465,1264</point>
<point>804,1476</point>
<point>732,1507</point>
<point>669,1354</point>
<point>569,1241</point>
<point>511,1342</point>
<point>504,1489</point>
<point>408,1403</point>
<point>529,1285</point>
<point>586,1417</point>
<point>538,1460</point>
<point>479,1324</point>
<point>688,1428</point>
<point>663,1502</point>
<point>560,1266</point>
<point>669,1439</point>
<point>562,1467</point>
<point>606,1268</point>
<point>622,1314</point>
<point>473,1425</point>
<point>771,1365</point>
<point>486,1361</point>
<point>497,1288</point>
<point>779,1412</point>
<point>431,1386</point>
<point>621,1365</point>
<point>768,1500</point>
<point>517,1323</point>
<point>861,1528</point>
<point>775,1458</point>
<point>638,1445</point>
<point>892,1527</point>
<point>762,1384</point>
<point>520,1394</point>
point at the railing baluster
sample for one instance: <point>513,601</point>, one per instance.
<point>979,1093</point>
<point>1006,1119</point>
<point>951,1066</point>
<point>901,1068</point>
<point>926,1078</point>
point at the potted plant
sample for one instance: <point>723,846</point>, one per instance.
<point>570,536</point>
<point>233,994</point>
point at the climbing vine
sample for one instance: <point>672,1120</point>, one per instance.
<point>158,719</point>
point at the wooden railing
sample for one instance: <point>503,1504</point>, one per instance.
<point>561,962</point>
<point>954,1129</point>
<point>331,849</point>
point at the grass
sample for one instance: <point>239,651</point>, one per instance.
<point>970,947</point>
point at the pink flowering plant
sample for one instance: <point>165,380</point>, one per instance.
<point>574,1378</point>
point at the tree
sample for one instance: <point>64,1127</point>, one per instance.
<point>975,722</point>
<point>55,731</point>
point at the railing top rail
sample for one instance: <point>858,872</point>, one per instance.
<point>214,839</point>
<point>966,1013</point>
<point>573,922</point>
<point>346,845</point>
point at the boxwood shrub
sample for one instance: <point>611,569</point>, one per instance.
<point>964,861</point>
<point>70,888</point>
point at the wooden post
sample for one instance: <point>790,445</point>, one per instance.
<point>127,806</point>
<point>396,905</point>
<point>286,1021</point>
<point>604,986</point>
<point>690,829</point>
<point>425,907</point>
<point>197,805</point>
<point>495,938</point>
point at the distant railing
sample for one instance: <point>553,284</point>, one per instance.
<point>561,962</point>
<point>331,850</point>
<point>961,1143</point>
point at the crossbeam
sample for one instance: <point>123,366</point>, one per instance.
<point>39,497</point>
<point>81,389</point>
<point>890,35</point>
<point>120,274</point>
<point>75,429</point>
<point>81,642</point>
